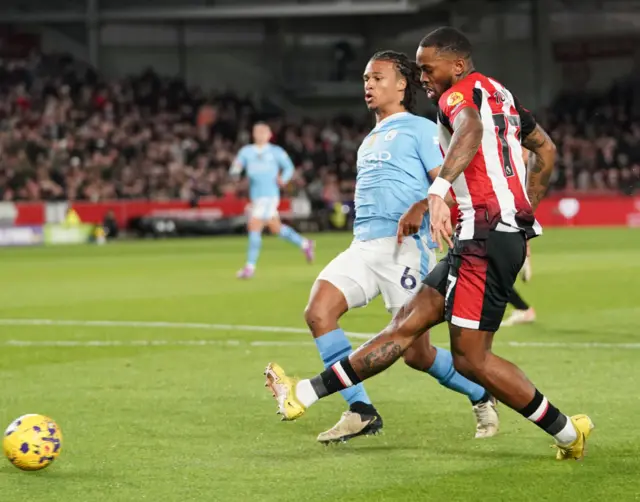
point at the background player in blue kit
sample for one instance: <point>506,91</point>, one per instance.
<point>396,162</point>
<point>268,167</point>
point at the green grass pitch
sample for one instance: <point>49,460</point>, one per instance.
<point>148,414</point>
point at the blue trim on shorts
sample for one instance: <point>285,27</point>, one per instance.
<point>424,257</point>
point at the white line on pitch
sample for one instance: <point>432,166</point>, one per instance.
<point>234,327</point>
<point>271,343</point>
<point>152,343</point>
<point>575,345</point>
<point>169,325</point>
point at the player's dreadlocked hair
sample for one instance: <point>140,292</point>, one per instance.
<point>409,70</point>
<point>447,39</point>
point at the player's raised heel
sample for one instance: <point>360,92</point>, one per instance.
<point>351,425</point>
<point>283,389</point>
<point>246,273</point>
<point>578,449</point>
<point>309,250</point>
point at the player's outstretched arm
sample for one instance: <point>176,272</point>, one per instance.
<point>237,166</point>
<point>466,140</point>
<point>541,163</point>
<point>286,167</point>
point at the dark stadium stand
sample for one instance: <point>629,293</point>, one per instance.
<point>66,134</point>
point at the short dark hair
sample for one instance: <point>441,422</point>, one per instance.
<point>409,70</point>
<point>448,39</point>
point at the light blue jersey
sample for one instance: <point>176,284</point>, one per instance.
<point>263,165</point>
<point>393,165</point>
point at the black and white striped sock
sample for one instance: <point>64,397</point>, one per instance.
<point>546,416</point>
<point>335,378</point>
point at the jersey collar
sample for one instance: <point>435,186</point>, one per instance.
<point>391,118</point>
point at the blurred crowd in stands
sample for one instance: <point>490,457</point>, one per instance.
<point>65,133</point>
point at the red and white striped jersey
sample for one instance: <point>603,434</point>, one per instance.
<point>491,192</point>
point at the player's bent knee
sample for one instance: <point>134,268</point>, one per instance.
<point>471,351</point>
<point>421,355</point>
<point>407,324</point>
<point>421,313</point>
<point>255,225</point>
<point>462,365</point>
<point>411,358</point>
<point>471,366</point>
<point>326,306</point>
<point>315,315</point>
<point>274,226</point>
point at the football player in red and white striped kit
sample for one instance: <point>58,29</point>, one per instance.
<point>482,129</point>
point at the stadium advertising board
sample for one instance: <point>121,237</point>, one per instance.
<point>570,210</point>
<point>21,236</point>
<point>64,234</point>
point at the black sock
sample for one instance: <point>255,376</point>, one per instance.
<point>363,408</point>
<point>335,378</point>
<point>545,415</point>
<point>485,398</point>
<point>516,300</point>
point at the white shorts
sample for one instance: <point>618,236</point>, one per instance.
<point>265,208</point>
<point>381,266</point>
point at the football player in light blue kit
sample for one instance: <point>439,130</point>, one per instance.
<point>268,167</point>
<point>396,163</point>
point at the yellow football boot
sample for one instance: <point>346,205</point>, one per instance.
<point>578,449</point>
<point>284,391</point>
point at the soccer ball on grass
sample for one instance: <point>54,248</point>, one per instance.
<point>32,442</point>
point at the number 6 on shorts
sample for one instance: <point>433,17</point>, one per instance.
<point>408,281</point>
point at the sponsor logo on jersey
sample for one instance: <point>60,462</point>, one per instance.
<point>390,135</point>
<point>382,156</point>
<point>372,160</point>
<point>455,98</point>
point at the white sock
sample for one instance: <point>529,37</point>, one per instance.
<point>305,393</point>
<point>567,435</point>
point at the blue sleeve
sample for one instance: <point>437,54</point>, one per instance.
<point>239,163</point>
<point>429,147</point>
<point>242,157</point>
<point>285,164</point>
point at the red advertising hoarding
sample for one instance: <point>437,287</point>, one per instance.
<point>556,211</point>
<point>126,210</point>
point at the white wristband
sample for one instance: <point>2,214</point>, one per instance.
<point>440,187</point>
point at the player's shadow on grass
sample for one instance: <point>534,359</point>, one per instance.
<point>439,450</point>
<point>51,473</point>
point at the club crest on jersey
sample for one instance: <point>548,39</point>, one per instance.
<point>390,135</point>
<point>500,96</point>
<point>455,98</point>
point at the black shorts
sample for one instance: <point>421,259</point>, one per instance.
<point>476,278</point>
